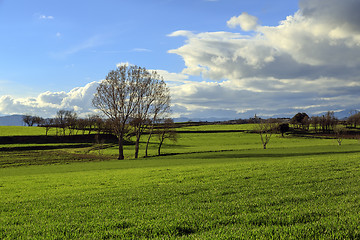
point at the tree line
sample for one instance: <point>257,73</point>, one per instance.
<point>324,124</point>
<point>133,101</point>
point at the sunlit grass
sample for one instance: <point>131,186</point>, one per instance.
<point>219,185</point>
<point>208,196</point>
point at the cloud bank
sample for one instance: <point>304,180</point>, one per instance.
<point>310,61</point>
<point>48,103</point>
<point>79,99</point>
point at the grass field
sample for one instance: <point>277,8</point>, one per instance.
<point>219,185</point>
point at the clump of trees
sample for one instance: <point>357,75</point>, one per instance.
<point>326,124</point>
<point>300,120</point>
<point>32,120</point>
<point>131,96</point>
<point>354,119</point>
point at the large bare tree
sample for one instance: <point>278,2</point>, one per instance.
<point>152,91</point>
<point>159,108</point>
<point>116,98</point>
<point>127,95</point>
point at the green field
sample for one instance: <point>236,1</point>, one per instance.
<point>210,185</point>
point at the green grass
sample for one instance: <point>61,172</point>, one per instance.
<point>223,196</point>
<point>21,131</point>
<point>211,142</point>
<point>219,127</point>
<point>218,186</point>
<point>30,131</point>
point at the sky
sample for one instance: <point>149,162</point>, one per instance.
<point>223,59</point>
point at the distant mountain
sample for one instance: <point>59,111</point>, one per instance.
<point>13,120</point>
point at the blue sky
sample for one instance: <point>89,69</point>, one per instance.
<point>53,53</point>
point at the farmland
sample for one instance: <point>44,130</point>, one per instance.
<point>215,182</point>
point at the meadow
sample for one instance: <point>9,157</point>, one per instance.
<point>215,182</point>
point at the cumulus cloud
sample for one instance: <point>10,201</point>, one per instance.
<point>309,61</point>
<point>245,21</point>
<point>44,17</point>
<point>78,99</point>
<point>48,103</point>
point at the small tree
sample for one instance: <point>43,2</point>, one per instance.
<point>32,120</point>
<point>266,128</point>
<point>60,121</point>
<point>315,122</point>
<point>47,123</point>
<point>339,131</point>
<point>71,121</point>
<point>283,128</point>
<point>167,131</point>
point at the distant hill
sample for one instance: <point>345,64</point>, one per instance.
<point>13,120</point>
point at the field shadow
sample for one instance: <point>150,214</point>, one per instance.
<point>258,154</point>
<point>49,147</point>
<point>90,138</point>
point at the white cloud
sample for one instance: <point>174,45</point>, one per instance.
<point>44,17</point>
<point>181,33</point>
<point>309,59</point>
<point>141,50</point>
<point>245,21</point>
<point>48,103</point>
<point>173,79</point>
<point>79,99</point>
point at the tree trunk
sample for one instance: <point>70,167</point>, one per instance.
<point>160,144</point>
<point>148,141</point>
<point>121,148</point>
<point>264,145</point>
<point>137,146</point>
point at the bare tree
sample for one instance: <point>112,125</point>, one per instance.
<point>266,128</point>
<point>32,120</point>
<point>328,121</point>
<point>167,131</point>
<point>82,124</point>
<point>71,121</point>
<point>159,109</point>
<point>66,119</point>
<point>91,122</point>
<point>127,96</point>
<point>147,95</point>
<point>60,121</point>
<point>315,122</point>
<point>339,131</point>
<point>27,119</point>
<point>47,123</point>
<point>116,97</point>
